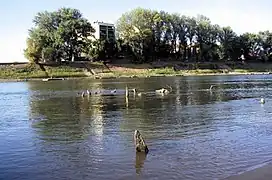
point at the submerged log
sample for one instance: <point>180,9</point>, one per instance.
<point>139,142</point>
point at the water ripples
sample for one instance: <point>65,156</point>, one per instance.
<point>50,132</point>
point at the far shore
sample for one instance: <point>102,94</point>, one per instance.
<point>134,76</point>
<point>97,70</point>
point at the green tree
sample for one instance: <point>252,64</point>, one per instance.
<point>144,35</point>
<point>228,44</point>
<point>266,45</point>
<point>137,29</point>
<point>150,34</point>
<point>58,35</point>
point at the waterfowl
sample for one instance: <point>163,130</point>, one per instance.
<point>88,92</point>
<point>211,87</point>
<point>135,92</point>
<point>113,91</point>
<point>162,91</point>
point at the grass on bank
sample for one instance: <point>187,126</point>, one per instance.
<point>34,71</point>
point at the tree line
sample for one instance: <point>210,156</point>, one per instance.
<point>142,35</point>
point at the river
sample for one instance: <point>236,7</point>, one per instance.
<point>48,131</point>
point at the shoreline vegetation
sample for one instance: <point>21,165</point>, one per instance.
<point>142,43</point>
<point>99,70</point>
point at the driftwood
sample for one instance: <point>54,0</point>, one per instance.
<point>139,142</point>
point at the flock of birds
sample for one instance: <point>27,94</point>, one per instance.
<point>162,91</point>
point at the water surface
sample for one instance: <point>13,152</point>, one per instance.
<point>48,131</point>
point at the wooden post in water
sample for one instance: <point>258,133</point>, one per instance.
<point>126,96</point>
<point>139,142</point>
<point>126,91</point>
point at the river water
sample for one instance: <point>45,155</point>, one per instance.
<point>48,131</point>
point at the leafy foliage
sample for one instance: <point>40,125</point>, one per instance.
<point>153,35</point>
<point>144,35</point>
<point>58,35</point>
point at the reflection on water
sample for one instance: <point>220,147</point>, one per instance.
<point>139,161</point>
<point>48,131</point>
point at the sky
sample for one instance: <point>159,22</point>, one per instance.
<point>16,16</point>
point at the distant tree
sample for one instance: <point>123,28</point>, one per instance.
<point>152,35</point>
<point>137,28</point>
<point>144,35</point>
<point>58,35</point>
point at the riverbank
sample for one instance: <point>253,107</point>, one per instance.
<point>31,71</point>
<point>117,70</point>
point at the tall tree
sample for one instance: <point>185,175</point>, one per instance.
<point>137,29</point>
<point>160,34</point>
<point>58,35</point>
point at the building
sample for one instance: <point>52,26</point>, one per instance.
<point>104,31</point>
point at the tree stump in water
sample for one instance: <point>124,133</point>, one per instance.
<point>139,142</point>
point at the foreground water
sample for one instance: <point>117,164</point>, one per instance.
<point>47,131</point>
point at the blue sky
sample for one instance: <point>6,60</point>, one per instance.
<point>16,16</point>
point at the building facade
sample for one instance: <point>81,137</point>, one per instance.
<point>104,31</point>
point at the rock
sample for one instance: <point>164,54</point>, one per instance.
<point>139,142</point>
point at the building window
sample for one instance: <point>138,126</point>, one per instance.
<point>106,32</point>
